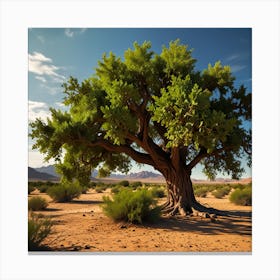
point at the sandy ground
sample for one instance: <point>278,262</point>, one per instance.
<point>80,225</point>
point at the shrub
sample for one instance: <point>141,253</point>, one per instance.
<point>135,185</point>
<point>116,189</point>
<point>64,192</point>
<point>158,192</point>
<point>101,188</point>
<point>43,188</point>
<point>131,206</point>
<point>37,203</point>
<point>38,230</point>
<point>242,196</point>
<point>31,188</point>
<point>201,192</point>
<point>124,183</point>
<point>221,192</point>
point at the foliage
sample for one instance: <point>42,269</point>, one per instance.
<point>221,192</point>
<point>148,107</point>
<point>201,192</point>
<point>158,192</point>
<point>116,189</point>
<point>100,188</point>
<point>131,206</point>
<point>31,188</point>
<point>136,185</point>
<point>38,230</point>
<point>37,203</point>
<point>124,183</point>
<point>242,196</point>
<point>65,191</point>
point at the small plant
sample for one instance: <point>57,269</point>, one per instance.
<point>31,188</point>
<point>158,192</point>
<point>135,185</point>
<point>43,188</point>
<point>37,203</point>
<point>101,188</point>
<point>242,196</point>
<point>116,189</point>
<point>221,192</point>
<point>38,229</point>
<point>65,192</point>
<point>131,206</point>
<point>201,192</point>
<point>124,183</point>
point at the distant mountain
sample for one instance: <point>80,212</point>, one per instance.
<point>48,169</point>
<point>35,175</point>
<point>143,175</point>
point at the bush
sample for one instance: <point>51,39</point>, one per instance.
<point>242,196</point>
<point>135,185</point>
<point>158,192</point>
<point>65,192</point>
<point>201,192</point>
<point>31,188</point>
<point>221,192</point>
<point>101,188</point>
<point>131,206</point>
<point>37,203</point>
<point>116,189</point>
<point>124,183</point>
<point>43,188</point>
<point>38,230</point>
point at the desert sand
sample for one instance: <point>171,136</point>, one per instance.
<point>80,226</point>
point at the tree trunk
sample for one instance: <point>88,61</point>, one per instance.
<point>180,198</point>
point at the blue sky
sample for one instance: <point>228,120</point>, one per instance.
<point>56,53</point>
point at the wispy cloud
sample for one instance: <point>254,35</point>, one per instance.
<point>41,65</point>
<point>237,67</point>
<point>71,32</point>
<point>40,78</point>
<point>232,57</point>
<point>38,110</point>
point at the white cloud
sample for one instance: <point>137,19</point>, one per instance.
<point>237,68</point>
<point>42,79</point>
<point>69,33</point>
<point>232,57</point>
<point>40,65</point>
<point>36,159</point>
<point>38,110</point>
<point>74,31</point>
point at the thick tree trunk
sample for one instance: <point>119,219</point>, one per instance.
<point>180,198</point>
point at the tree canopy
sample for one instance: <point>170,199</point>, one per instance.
<point>156,109</point>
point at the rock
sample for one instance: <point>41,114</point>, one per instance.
<point>87,247</point>
<point>123,226</point>
<point>206,215</point>
<point>213,216</point>
<point>84,215</point>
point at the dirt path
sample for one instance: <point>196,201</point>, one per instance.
<point>81,226</point>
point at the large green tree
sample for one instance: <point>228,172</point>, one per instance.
<point>155,109</point>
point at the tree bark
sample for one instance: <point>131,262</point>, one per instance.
<point>180,195</point>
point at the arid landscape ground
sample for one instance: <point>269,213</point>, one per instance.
<point>81,226</point>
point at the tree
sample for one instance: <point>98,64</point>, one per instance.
<point>155,109</point>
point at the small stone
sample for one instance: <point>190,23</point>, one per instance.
<point>87,247</point>
<point>84,215</point>
<point>207,215</point>
<point>123,226</point>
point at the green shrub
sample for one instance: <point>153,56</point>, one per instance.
<point>131,206</point>
<point>124,183</point>
<point>221,192</point>
<point>201,192</point>
<point>64,192</point>
<point>37,203</point>
<point>100,188</point>
<point>116,189</point>
<point>38,229</point>
<point>135,185</point>
<point>43,188</point>
<point>242,196</point>
<point>158,192</point>
<point>31,188</point>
